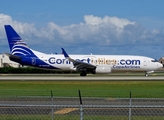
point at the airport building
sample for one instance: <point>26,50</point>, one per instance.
<point>6,62</point>
<point>161,60</point>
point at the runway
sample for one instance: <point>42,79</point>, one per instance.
<point>74,78</point>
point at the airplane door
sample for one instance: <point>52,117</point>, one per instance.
<point>145,62</point>
<point>33,61</point>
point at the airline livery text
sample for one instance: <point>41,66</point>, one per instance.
<point>122,63</point>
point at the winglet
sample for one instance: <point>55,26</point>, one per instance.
<point>65,54</point>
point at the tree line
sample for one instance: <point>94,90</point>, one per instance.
<point>30,70</point>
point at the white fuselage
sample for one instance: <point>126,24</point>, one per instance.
<point>115,62</point>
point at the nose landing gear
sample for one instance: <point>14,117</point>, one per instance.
<point>146,74</point>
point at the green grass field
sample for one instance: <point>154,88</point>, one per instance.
<point>75,117</point>
<point>112,89</point>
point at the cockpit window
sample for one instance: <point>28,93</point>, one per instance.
<point>155,60</point>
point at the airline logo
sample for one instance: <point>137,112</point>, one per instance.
<point>21,48</point>
<point>53,60</point>
<point>123,63</point>
<point>128,63</point>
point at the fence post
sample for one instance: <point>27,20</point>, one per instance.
<point>52,109</point>
<point>130,105</point>
<point>81,107</point>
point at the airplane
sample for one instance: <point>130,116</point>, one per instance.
<point>95,64</point>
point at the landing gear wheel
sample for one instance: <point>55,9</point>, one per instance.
<point>146,74</point>
<point>83,74</point>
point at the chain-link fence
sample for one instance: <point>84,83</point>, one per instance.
<point>87,108</point>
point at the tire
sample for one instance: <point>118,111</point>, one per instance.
<point>83,74</point>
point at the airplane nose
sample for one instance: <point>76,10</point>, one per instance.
<point>160,65</point>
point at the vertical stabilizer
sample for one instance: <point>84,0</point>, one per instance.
<point>17,45</point>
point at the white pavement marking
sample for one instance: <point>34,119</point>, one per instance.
<point>109,78</point>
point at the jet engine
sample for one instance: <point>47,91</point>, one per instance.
<point>103,69</point>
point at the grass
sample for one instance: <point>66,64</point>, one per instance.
<point>76,117</point>
<point>25,117</point>
<point>113,89</point>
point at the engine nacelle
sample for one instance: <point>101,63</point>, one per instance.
<point>150,71</point>
<point>103,69</point>
<point>73,68</point>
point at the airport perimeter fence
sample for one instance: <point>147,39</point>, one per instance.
<point>77,108</point>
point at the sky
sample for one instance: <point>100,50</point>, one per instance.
<point>122,27</point>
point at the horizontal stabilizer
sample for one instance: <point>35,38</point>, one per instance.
<point>14,57</point>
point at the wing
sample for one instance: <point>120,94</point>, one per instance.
<point>78,65</point>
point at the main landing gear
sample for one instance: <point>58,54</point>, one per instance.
<point>83,73</point>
